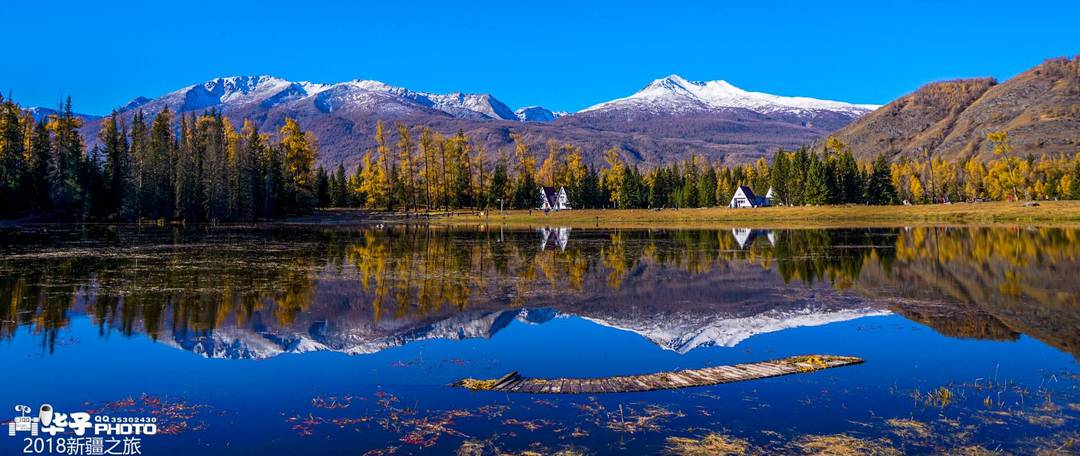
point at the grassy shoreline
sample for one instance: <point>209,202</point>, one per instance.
<point>1056,213</point>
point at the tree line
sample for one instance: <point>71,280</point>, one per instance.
<point>204,171</point>
<point>423,170</point>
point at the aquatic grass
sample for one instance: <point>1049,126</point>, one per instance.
<point>909,429</point>
<point>844,445</point>
<point>711,444</point>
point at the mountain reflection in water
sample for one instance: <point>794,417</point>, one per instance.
<point>254,293</point>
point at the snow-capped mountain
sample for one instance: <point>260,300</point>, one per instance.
<point>674,94</point>
<point>667,121</point>
<point>537,114</point>
<point>680,333</point>
<point>356,339</point>
<point>247,93</point>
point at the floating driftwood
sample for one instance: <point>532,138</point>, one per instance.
<point>515,383</point>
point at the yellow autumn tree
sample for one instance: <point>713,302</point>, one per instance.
<point>611,178</point>
<point>301,151</point>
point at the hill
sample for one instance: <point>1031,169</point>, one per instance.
<point>1039,108</point>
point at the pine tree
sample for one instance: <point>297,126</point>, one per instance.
<point>706,189</point>
<point>64,191</point>
<point>591,195</point>
<point>12,158</point>
<point>210,148</point>
<point>119,198</point>
<point>274,189</point>
<point>322,187</point>
<point>500,183</point>
<point>1074,181</point>
<point>140,156</point>
<point>879,187</point>
<point>187,160</point>
<point>38,166</point>
<point>340,192</point>
<point>780,176</point>
<point>91,183</point>
<point>816,188</point>
<point>159,174</point>
<point>251,174</point>
<point>848,184</point>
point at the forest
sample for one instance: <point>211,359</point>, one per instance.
<point>424,170</point>
<point>203,169</point>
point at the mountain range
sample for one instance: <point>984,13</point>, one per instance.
<point>666,121</point>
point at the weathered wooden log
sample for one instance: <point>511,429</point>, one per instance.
<point>515,383</point>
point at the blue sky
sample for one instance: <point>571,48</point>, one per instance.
<point>563,55</point>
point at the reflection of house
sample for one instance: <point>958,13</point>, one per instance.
<point>745,236</point>
<point>744,197</point>
<point>553,200</point>
<point>554,236</point>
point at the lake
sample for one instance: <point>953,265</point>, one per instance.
<point>301,339</point>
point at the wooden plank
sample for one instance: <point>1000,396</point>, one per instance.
<point>514,382</point>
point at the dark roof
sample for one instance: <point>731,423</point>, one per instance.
<point>551,195</point>
<point>748,193</point>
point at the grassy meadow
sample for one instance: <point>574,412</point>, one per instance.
<point>1046,213</point>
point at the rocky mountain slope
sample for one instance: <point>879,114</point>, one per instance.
<point>1040,109</point>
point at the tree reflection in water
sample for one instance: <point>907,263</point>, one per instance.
<point>963,281</point>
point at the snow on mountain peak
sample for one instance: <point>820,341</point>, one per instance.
<point>676,94</point>
<point>537,114</point>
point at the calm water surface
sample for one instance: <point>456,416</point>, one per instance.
<point>301,339</point>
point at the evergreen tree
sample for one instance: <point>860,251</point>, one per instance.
<point>500,182</point>
<point>816,188</point>
<point>252,174</point>
<point>340,192</point>
<point>848,184</point>
<point>879,186</point>
<point>780,177</point>
<point>187,193</point>
<point>91,183</point>
<point>118,198</point>
<point>64,191</point>
<point>38,166</point>
<point>591,197</point>
<point>322,187</point>
<point>163,168</point>
<point>707,188</point>
<point>139,151</point>
<point>12,159</point>
<point>274,183</point>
